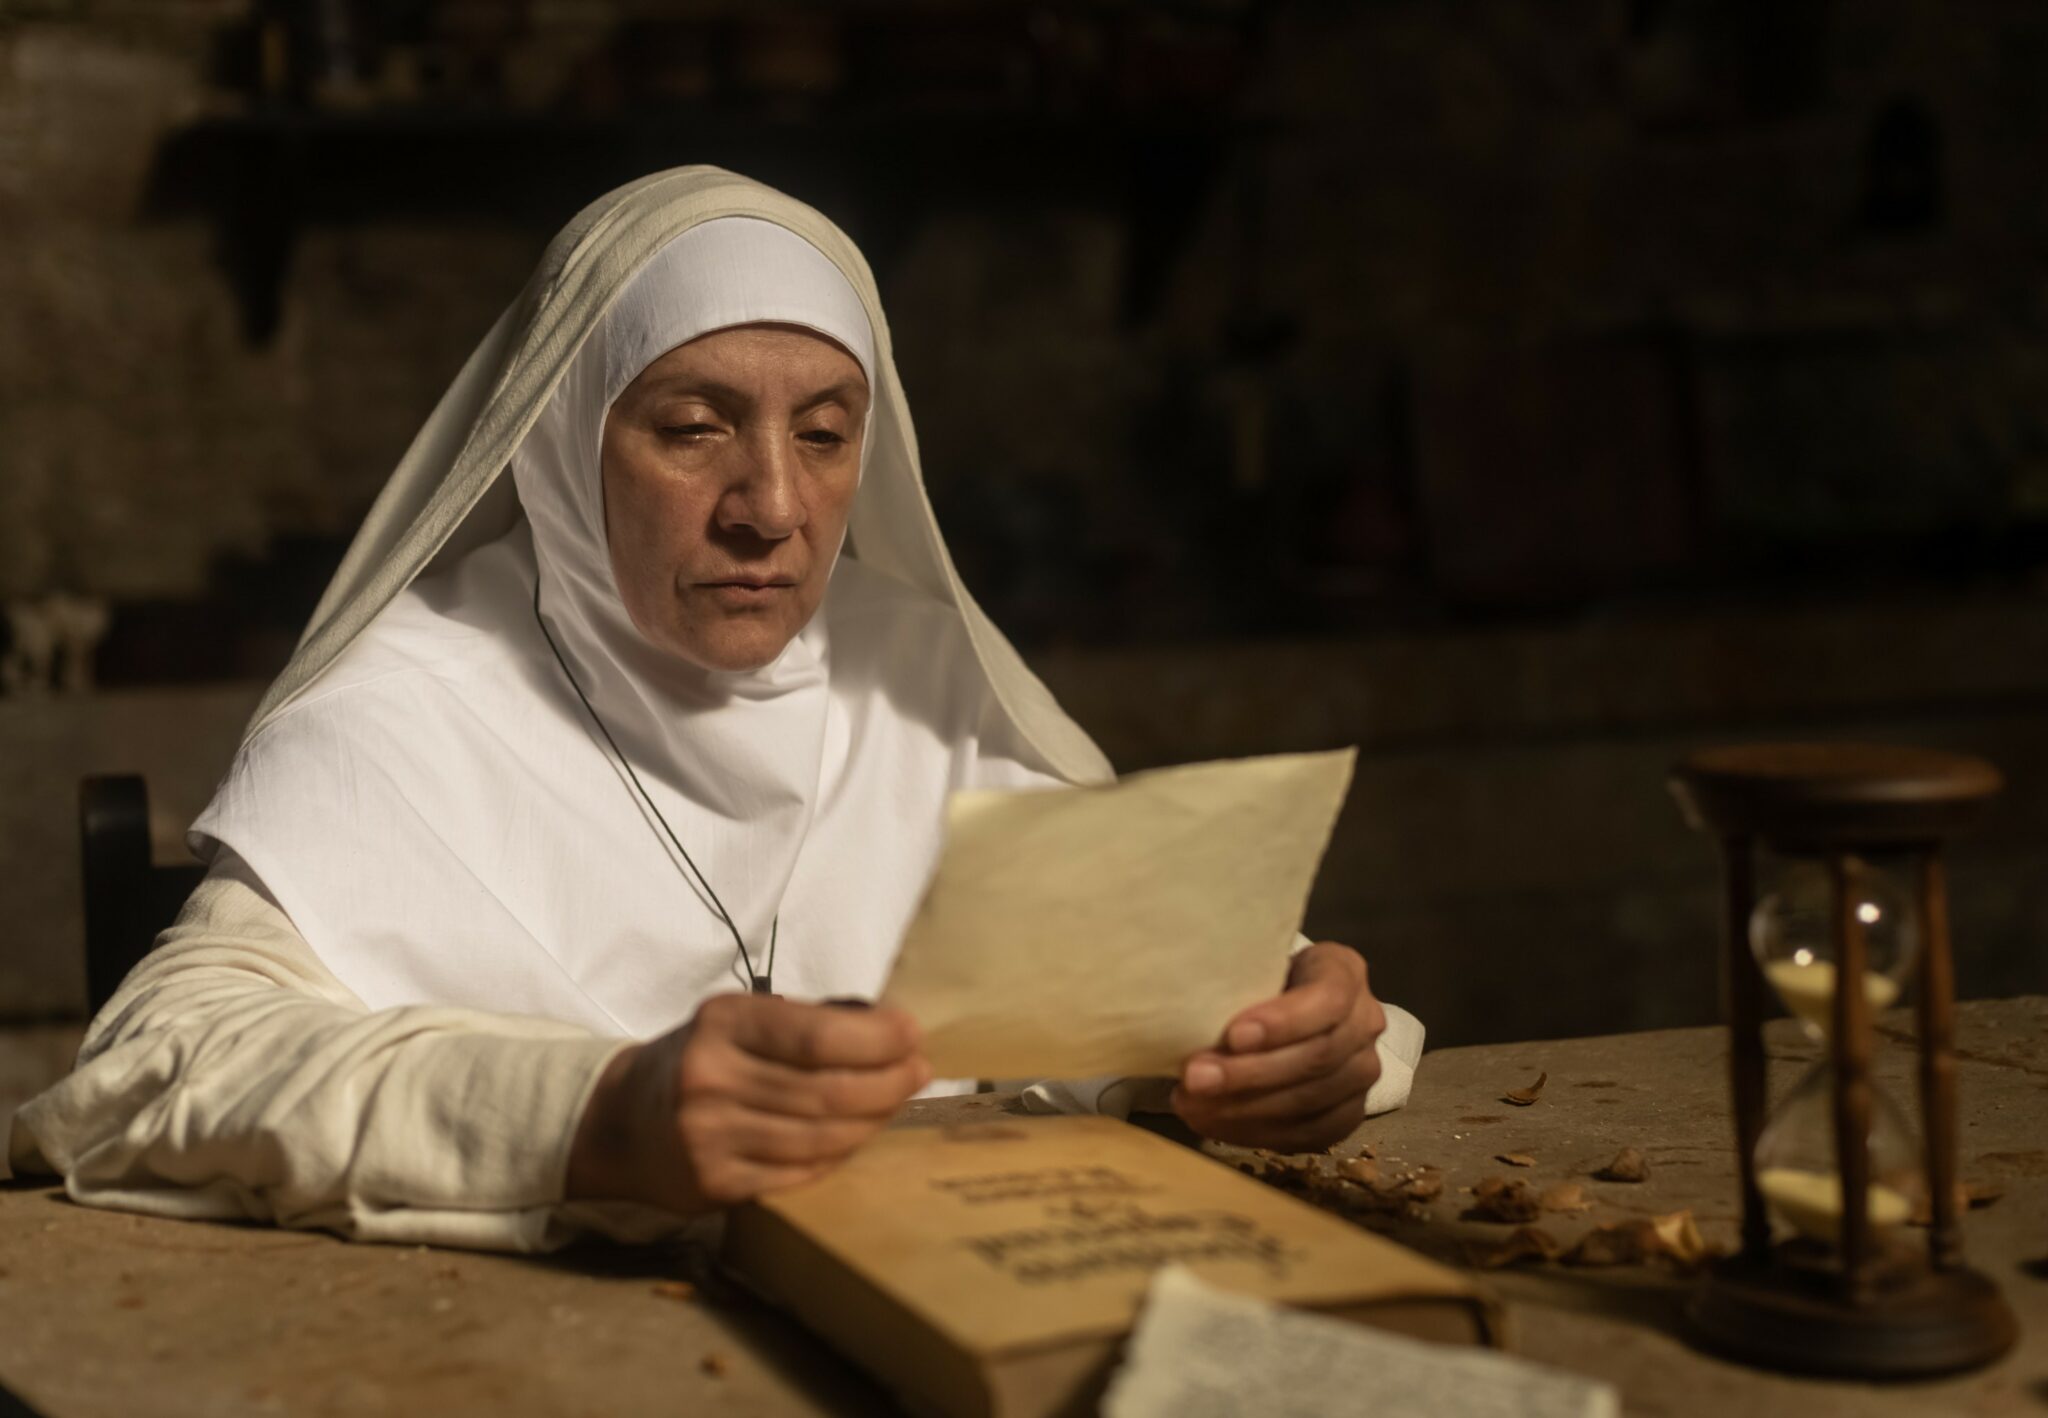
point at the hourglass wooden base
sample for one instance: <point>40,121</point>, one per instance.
<point>1786,1316</point>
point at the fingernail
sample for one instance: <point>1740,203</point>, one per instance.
<point>1203,1077</point>
<point>1246,1036</point>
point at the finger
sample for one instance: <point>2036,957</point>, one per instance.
<point>712,1067</point>
<point>770,1087</point>
<point>1322,984</point>
<point>816,1036</point>
<point>1214,1074</point>
<point>1304,1098</point>
<point>778,1140</point>
<point>1310,1134</point>
<point>734,1179</point>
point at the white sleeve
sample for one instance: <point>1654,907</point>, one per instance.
<point>1400,1048</point>
<point>1400,1045</point>
<point>232,1076</point>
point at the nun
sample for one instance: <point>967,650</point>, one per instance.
<point>603,785</point>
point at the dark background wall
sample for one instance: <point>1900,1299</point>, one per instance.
<point>1523,390</point>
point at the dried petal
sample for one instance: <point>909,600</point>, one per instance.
<point>676,1290</point>
<point>1524,1243</point>
<point>1628,1165</point>
<point>1289,1178</point>
<point>1423,1186</point>
<point>1675,1237</point>
<point>1565,1196</point>
<point>1417,1186</point>
<point>714,1365</point>
<point>1329,1191</point>
<point>1523,1097</point>
<point>1609,1245</point>
<point>1498,1199</point>
<point>1362,1170</point>
<point>1673,1240</point>
<point>1516,1159</point>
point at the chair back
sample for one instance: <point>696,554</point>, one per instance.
<point>128,897</point>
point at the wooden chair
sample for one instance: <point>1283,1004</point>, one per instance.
<point>128,897</point>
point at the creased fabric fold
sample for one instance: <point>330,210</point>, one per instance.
<point>233,1077</point>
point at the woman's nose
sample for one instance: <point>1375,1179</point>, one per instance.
<point>766,497</point>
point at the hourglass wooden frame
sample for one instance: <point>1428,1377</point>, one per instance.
<point>1858,1309</point>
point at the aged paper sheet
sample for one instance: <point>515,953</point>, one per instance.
<point>1078,932</point>
<point>1204,1352</point>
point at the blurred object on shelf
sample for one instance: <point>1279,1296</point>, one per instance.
<point>51,642</point>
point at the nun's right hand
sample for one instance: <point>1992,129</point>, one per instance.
<point>754,1093</point>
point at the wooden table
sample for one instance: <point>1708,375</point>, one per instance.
<point>103,1313</point>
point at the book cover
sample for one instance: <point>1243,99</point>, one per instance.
<point>992,1270</point>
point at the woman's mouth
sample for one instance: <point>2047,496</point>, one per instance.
<point>748,591</point>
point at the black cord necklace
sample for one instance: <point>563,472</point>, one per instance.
<point>762,983</point>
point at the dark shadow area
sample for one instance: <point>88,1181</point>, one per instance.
<point>1619,393</point>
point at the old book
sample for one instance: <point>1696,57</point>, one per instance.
<point>992,1270</point>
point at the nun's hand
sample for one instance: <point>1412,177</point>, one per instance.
<point>1291,1072</point>
<point>754,1093</point>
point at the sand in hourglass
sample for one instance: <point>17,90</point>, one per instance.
<point>1810,1198</point>
<point>1808,989</point>
<point>1812,1202</point>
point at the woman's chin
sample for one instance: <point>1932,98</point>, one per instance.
<point>734,648</point>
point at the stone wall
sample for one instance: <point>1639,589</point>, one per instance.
<point>147,441</point>
<point>1422,309</point>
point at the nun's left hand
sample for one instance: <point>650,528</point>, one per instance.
<point>1291,1072</point>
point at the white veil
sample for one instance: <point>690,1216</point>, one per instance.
<point>447,495</point>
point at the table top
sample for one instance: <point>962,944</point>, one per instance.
<point>103,1313</point>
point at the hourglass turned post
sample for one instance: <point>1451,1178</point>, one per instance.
<point>1937,1021</point>
<point>1743,984</point>
<point>1841,1293</point>
<point>1851,1044</point>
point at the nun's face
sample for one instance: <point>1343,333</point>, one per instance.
<point>729,467</point>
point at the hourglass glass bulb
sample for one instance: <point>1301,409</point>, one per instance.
<point>1792,934</point>
<point>1798,1174</point>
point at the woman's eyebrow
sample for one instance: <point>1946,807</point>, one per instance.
<point>711,389</point>
<point>721,393</point>
<point>843,392</point>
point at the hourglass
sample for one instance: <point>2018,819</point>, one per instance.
<point>1791,934</point>
<point>1858,909</point>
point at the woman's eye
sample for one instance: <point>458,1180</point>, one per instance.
<point>687,430</point>
<point>821,437</point>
